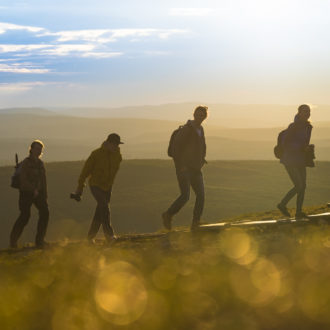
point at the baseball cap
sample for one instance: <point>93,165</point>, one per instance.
<point>114,138</point>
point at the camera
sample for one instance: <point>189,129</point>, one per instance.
<point>76,197</point>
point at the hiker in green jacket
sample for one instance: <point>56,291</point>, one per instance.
<point>101,168</point>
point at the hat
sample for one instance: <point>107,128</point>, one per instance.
<point>114,138</point>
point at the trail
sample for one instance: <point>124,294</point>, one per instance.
<point>269,224</point>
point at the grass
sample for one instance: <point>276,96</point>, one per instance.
<point>233,279</point>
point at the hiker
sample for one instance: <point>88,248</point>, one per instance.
<point>101,167</point>
<point>32,190</point>
<point>188,149</point>
<point>295,157</point>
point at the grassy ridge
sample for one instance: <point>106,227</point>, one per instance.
<point>145,188</point>
<point>236,279</point>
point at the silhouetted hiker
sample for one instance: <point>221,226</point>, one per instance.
<point>296,151</point>
<point>101,167</point>
<point>188,149</point>
<point>32,190</point>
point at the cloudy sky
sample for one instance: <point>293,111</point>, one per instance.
<point>128,52</point>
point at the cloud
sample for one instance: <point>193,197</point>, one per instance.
<point>102,55</point>
<point>104,36</point>
<point>12,88</point>
<point>21,48</point>
<point>190,11</point>
<point>68,49</point>
<point>21,87</point>
<point>4,27</point>
<point>76,50</point>
<point>21,68</point>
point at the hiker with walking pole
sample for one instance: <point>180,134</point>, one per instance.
<point>30,179</point>
<point>101,168</point>
<point>188,149</point>
<point>296,154</point>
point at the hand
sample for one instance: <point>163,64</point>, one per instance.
<point>35,193</point>
<point>79,192</point>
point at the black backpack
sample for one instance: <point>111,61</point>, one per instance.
<point>171,145</point>
<point>15,179</point>
<point>278,149</point>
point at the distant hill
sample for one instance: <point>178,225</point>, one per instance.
<point>228,115</point>
<point>27,111</point>
<point>73,138</point>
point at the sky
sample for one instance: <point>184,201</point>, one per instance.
<point>109,53</point>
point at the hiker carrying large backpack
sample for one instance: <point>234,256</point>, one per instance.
<point>188,149</point>
<point>30,179</point>
<point>296,155</point>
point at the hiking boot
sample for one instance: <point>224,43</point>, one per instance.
<point>283,210</point>
<point>167,220</point>
<point>111,240</point>
<point>91,241</point>
<point>301,216</point>
<point>42,245</point>
<point>195,225</point>
<point>13,246</point>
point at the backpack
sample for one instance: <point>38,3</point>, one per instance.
<point>171,145</point>
<point>15,179</point>
<point>278,149</point>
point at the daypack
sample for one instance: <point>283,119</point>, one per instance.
<point>171,145</point>
<point>15,179</point>
<point>278,149</point>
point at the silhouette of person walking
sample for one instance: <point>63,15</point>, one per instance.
<point>295,145</point>
<point>188,149</point>
<point>101,167</point>
<point>32,190</point>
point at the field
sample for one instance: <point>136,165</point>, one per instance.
<point>145,188</point>
<point>253,279</point>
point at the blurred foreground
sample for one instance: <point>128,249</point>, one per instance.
<point>234,279</point>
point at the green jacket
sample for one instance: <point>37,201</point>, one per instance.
<point>101,168</point>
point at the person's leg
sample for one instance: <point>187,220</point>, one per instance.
<point>197,183</point>
<point>106,219</point>
<point>183,178</point>
<point>301,188</point>
<point>96,222</point>
<point>292,192</point>
<point>103,213</point>
<point>41,204</point>
<point>25,202</point>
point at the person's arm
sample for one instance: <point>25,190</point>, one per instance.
<point>309,134</point>
<point>44,180</point>
<point>117,165</point>
<point>85,173</point>
<point>204,146</point>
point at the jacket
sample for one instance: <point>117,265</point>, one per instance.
<point>33,176</point>
<point>295,143</point>
<point>190,147</point>
<point>101,167</point>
